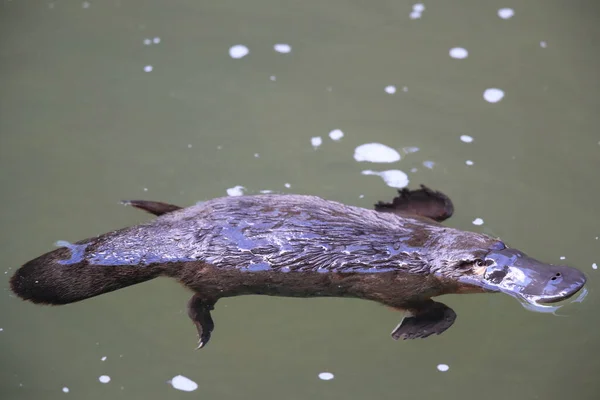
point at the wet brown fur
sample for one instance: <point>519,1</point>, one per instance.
<point>48,280</point>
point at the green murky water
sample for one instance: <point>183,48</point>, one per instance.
<point>84,123</point>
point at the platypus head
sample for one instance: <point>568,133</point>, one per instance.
<point>502,269</point>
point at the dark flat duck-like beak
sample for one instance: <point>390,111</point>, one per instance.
<point>513,272</point>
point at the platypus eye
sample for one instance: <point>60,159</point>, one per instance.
<point>480,263</point>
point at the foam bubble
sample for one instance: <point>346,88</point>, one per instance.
<point>326,376</point>
<point>104,378</point>
<point>429,164</point>
<point>477,221</point>
<point>543,44</point>
<point>236,191</point>
<point>147,42</point>
<point>466,138</point>
<point>594,266</point>
<point>86,4</point>
<point>562,257</point>
<point>458,53</point>
<point>493,95</point>
<point>65,389</point>
<point>391,89</point>
<point>418,7</point>
<point>103,358</point>
<point>469,162</point>
<point>180,382</point>
<point>238,51</point>
<point>415,15</point>
<point>287,185</point>
<point>273,78</point>
<point>148,68</point>
<point>156,40</point>
<point>376,152</point>
<point>316,141</point>
<point>336,134</point>
<point>282,48</point>
<point>506,13</point>
<point>393,177</point>
<point>443,367</point>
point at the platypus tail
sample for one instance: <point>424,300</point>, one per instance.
<point>46,280</point>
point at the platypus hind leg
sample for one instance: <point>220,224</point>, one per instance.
<point>153,207</point>
<point>430,317</point>
<point>199,310</point>
<point>424,202</point>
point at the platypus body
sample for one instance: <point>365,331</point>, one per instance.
<point>300,246</point>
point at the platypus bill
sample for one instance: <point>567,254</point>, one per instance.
<point>300,246</point>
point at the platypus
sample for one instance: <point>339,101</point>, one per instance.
<point>397,254</point>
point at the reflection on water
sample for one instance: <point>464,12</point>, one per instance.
<point>103,101</point>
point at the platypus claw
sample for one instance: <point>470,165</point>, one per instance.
<point>199,311</point>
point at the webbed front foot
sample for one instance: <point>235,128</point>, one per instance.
<point>424,202</point>
<point>428,319</point>
<point>199,311</point>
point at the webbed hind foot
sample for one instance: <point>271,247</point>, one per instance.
<point>424,202</point>
<point>153,207</point>
<point>199,311</point>
<point>430,318</point>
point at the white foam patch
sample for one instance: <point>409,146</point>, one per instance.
<point>238,51</point>
<point>562,257</point>
<point>65,389</point>
<point>443,367</point>
<point>390,89</point>
<point>469,162</point>
<point>493,95</point>
<point>506,13</point>
<point>376,152</point>
<point>147,42</point>
<point>543,44</point>
<point>594,266</point>
<point>336,134</point>
<point>236,191</point>
<point>273,78</point>
<point>408,150</point>
<point>415,15</point>
<point>393,177</point>
<point>148,68</point>
<point>256,155</point>
<point>326,376</point>
<point>477,221</point>
<point>458,53</point>
<point>429,164</point>
<point>103,358</point>
<point>180,382</point>
<point>418,7</point>
<point>156,40</point>
<point>282,48</point>
<point>316,141</point>
<point>104,378</point>
<point>466,138</point>
<point>86,4</point>
<point>287,185</point>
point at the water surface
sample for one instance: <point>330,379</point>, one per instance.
<point>103,101</point>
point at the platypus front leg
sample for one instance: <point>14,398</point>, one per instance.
<point>199,309</point>
<point>424,319</point>
<point>424,202</point>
